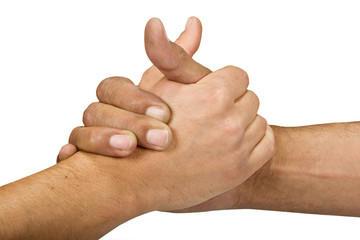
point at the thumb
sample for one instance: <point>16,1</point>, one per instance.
<point>174,59</point>
<point>190,38</point>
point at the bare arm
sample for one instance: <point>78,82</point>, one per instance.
<point>76,199</point>
<point>315,169</point>
<point>87,195</point>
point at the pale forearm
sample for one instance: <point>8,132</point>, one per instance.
<point>316,169</point>
<point>72,200</point>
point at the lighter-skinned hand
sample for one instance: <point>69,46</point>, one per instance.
<point>214,121</point>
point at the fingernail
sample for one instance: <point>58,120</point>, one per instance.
<point>188,23</point>
<point>157,137</point>
<point>122,142</point>
<point>156,112</point>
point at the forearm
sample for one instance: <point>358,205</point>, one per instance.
<point>316,169</point>
<point>71,200</point>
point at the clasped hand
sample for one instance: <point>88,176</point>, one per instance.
<point>204,127</point>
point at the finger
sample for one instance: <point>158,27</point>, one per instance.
<point>150,132</point>
<point>232,78</point>
<point>66,151</point>
<point>190,38</point>
<point>170,58</point>
<point>122,93</point>
<point>104,141</point>
<point>247,107</point>
<point>263,151</point>
<point>254,133</point>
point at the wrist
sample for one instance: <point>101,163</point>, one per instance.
<point>118,190</point>
<point>249,193</point>
<point>252,194</point>
<point>83,197</point>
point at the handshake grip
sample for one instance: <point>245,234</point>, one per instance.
<point>203,125</point>
<point>137,125</point>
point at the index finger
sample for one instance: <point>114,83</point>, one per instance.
<point>121,92</point>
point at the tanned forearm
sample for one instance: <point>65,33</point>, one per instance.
<point>76,199</point>
<point>316,169</point>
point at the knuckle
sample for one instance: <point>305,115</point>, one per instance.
<point>148,77</point>
<point>93,138</point>
<point>232,125</point>
<point>254,99</point>
<point>263,124</point>
<point>245,77</point>
<point>238,73</point>
<point>219,96</point>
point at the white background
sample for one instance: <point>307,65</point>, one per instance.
<point>303,58</point>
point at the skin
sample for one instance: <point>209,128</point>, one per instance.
<point>170,60</point>
<point>87,195</point>
<point>135,100</point>
<point>75,199</point>
<point>315,169</point>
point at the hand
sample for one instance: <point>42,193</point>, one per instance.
<point>214,97</point>
<point>142,114</point>
<point>188,71</point>
<point>100,139</point>
<point>190,39</point>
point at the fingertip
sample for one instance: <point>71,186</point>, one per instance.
<point>161,113</point>
<point>155,32</point>
<point>158,47</point>
<point>154,20</point>
<point>188,23</point>
<point>123,143</point>
<point>158,138</point>
<point>66,151</point>
<point>193,22</point>
<point>190,38</point>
